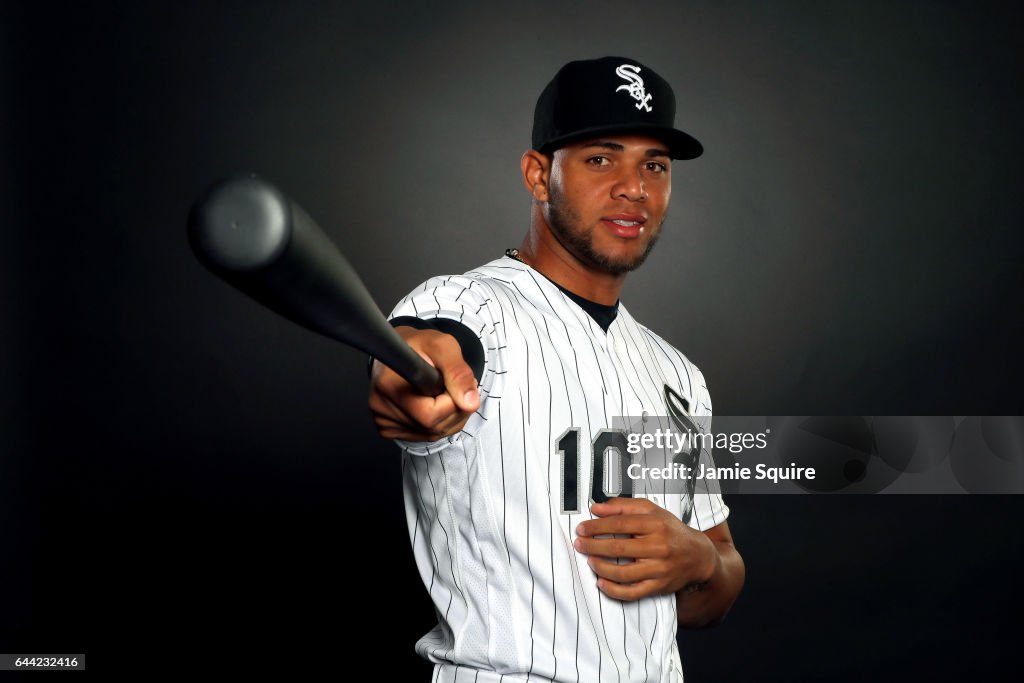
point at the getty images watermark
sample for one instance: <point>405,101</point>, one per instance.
<point>847,454</point>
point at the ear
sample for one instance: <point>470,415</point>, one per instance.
<point>536,169</point>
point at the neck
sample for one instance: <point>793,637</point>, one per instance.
<point>542,251</point>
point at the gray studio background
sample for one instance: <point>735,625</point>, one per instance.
<point>180,461</point>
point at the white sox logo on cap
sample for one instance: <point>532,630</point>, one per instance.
<point>635,88</point>
<point>587,98</point>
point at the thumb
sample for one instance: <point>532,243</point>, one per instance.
<point>618,506</point>
<point>461,385</point>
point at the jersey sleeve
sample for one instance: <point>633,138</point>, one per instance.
<point>709,508</point>
<point>466,301</point>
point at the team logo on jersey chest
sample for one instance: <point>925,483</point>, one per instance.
<point>635,85</point>
<point>678,409</point>
<point>676,405</point>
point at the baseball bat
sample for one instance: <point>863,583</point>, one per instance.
<point>250,234</point>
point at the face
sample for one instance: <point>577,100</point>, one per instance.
<point>607,200</point>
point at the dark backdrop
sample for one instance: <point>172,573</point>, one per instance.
<point>190,482</point>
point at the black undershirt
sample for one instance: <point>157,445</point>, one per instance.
<point>603,315</point>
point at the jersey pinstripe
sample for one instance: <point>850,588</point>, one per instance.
<point>492,510</point>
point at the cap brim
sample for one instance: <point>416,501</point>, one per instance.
<point>680,145</point>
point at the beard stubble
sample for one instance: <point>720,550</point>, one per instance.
<point>566,225</point>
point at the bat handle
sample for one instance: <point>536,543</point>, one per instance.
<point>421,375</point>
<point>427,380</point>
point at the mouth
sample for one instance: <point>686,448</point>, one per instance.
<point>627,226</point>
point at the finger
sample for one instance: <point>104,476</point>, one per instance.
<point>463,389</point>
<point>453,423</point>
<point>386,426</point>
<point>390,419</point>
<point>628,592</point>
<point>389,393</point>
<point>446,427</point>
<point>426,411</point>
<point>444,353</point>
<point>435,412</point>
<point>397,406</point>
<point>637,548</point>
<point>382,407</point>
<point>621,506</point>
<point>619,524</point>
<point>385,410</point>
<point>609,547</point>
<point>630,572</point>
<point>459,381</point>
<point>393,423</point>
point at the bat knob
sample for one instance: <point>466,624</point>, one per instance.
<point>240,224</point>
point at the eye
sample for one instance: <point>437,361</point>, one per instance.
<point>656,167</point>
<point>598,160</point>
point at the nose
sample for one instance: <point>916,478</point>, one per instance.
<point>630,185</point>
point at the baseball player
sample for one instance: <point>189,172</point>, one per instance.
<point>540,566</point>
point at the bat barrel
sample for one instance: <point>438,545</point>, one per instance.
<point>240,225</point>
<point>251,235</point>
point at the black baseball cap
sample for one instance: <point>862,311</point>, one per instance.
<point>608,95</point>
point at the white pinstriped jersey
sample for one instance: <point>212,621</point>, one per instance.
<point>492,511</point>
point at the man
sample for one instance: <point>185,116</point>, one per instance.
<point>536,570</point>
